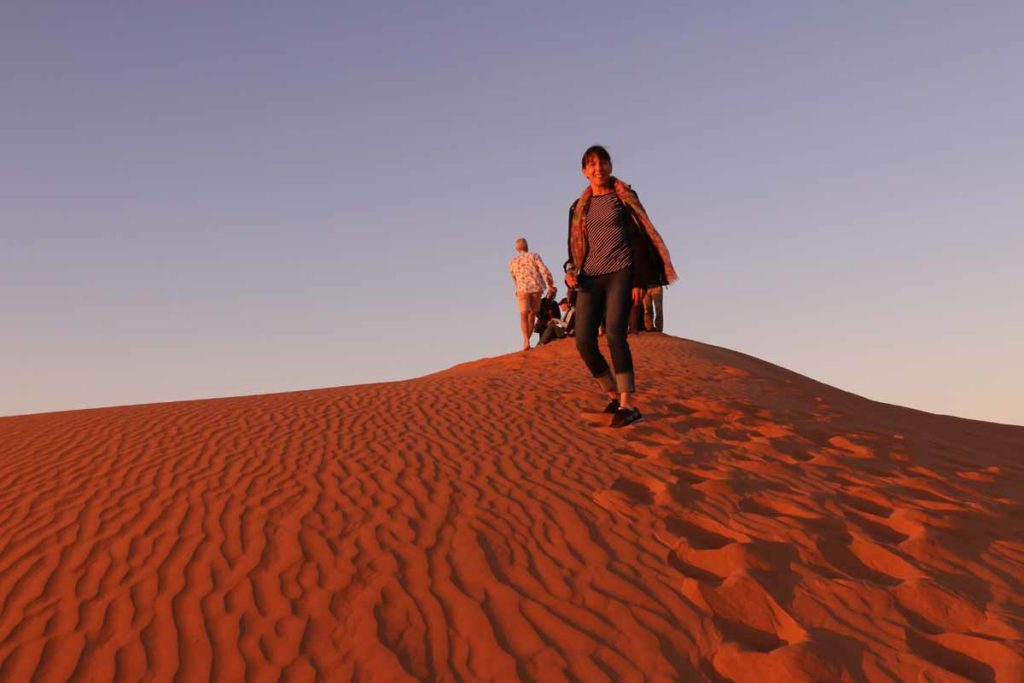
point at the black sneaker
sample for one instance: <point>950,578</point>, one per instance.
<point>612,407</point>
<point>626,416</point>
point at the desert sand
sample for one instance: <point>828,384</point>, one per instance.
<point>481,524</point>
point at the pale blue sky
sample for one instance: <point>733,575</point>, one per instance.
<point>204,201</point>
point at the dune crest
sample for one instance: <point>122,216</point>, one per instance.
<point>482,524</point>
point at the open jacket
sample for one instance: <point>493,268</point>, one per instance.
<point>648,265</point>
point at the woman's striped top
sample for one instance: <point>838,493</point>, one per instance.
<point>606,234</point>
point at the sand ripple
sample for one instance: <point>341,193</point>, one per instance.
<point>481,524</point>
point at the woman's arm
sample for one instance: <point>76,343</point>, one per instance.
<point>573,270</point>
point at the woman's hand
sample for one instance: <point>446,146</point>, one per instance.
<point>570,280</point>
<point>638,295</point>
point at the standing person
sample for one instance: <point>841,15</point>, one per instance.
<point>654,315</point>
<point>529,275</point>
<point>616,253</point>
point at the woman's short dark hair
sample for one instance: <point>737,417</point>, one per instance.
<point>596,151</point>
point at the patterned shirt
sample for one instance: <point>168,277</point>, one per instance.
<point>606,232</point>
<point>529,272</point>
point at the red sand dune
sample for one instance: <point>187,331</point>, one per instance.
<point>479,525</point>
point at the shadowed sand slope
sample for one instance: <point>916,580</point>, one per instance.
<point>480,524</point>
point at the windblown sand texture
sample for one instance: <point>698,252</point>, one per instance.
<point>480,525</point>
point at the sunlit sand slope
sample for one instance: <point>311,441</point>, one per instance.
<point>483,524</point>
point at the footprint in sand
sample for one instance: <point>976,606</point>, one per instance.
<point>876,529</point>
<point>747,615</point>
<point>636,452</point>
<point>751,506</point>
<point>986,476</point>
<point>734,434</point>
<point>697,533</point>
<point>852,449</point>
<point>637,492</point>
<point>626,495</point>
<point>933,609</point>
<point>863,504</point>
<point>856,559</point>
<point>650,431</point>
<point>971,668</point>
<point>884,561</point>
<point>782,505</point>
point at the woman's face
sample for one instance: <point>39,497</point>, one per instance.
<point>597,171</point>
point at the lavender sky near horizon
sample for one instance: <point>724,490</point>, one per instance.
<point>218,199</point>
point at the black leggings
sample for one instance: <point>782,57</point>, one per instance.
<point>609,297</point>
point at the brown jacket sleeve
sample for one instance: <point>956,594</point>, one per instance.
<point>648,268</point>
<point>569,236</point>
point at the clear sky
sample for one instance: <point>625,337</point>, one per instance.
<point>211,199</point>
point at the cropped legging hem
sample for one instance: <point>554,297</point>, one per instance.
<point>622,382</point>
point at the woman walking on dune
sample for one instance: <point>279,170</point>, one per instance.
<point>616,254</point>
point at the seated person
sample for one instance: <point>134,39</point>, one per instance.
<point>548,311</point>
<point>560,327</point>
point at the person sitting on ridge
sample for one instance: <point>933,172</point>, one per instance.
<point>561,327</point>
<point>547,312</point>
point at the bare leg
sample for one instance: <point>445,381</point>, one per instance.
<point>659,318</point>
<point>526,325</point>
<point>529,305</point>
